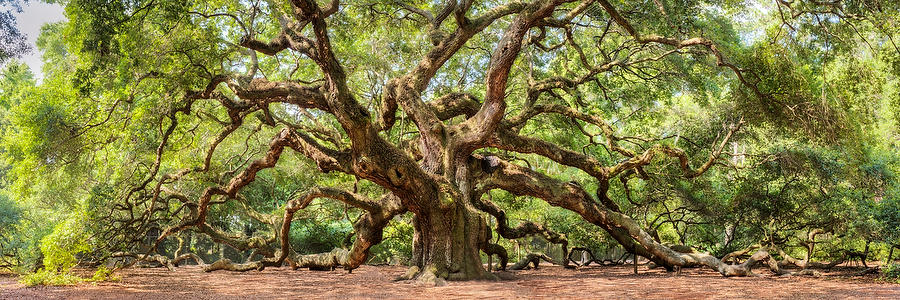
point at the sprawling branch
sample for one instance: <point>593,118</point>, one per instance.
<point>485,122</point>
<point>406,90</point>
<point>524,181</point>
<point>260,92</point>
<point>454,104</point>
<point>678,44</point>
<point>276,146</point>
<point>684,161</point>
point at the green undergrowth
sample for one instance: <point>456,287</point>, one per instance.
<point>52,278</point>
<point>47,277</point>
<point>891,273</point>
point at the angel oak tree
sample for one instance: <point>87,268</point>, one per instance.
<point>481,74</point>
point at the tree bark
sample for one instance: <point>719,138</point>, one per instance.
<point>447,241</point>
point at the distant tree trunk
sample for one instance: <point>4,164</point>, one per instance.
<point>634,257</point>
<point>865,254</point>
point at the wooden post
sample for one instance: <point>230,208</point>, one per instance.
<point>490,261</point>
<point>634,251</point>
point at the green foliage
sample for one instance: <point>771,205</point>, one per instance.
<point>49,278</point>
<point>891,272</point>
<point>313,237</point>
<point>10,214</point>
<point>395,248</point>
<point>103,274</point>
<point>10,242</point>
<point>887,215</point>
<point>46,277</point>
<point>61,247</point>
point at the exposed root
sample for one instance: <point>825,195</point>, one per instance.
<point>410,274</point>
<point>805,272</point>
<point>872,270</point>
<point>429,278</point>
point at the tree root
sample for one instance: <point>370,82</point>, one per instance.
<point>872,270</point>
<point>430,276</point>
<point>427,276</point>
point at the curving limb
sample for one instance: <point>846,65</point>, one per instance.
<point>524,181</point>
<point>523,229</point>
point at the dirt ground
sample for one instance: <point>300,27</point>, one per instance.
<point>370,282</point>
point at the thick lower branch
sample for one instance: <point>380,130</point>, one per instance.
<point>169,263</point>
<point>525,181</point>
<point>533,259</point>
<point>495,249</point>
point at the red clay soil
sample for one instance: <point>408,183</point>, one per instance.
<point>550,282</point>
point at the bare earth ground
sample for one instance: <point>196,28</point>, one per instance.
<point>550,282</point>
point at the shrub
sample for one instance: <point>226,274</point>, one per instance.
<point>103,274</point>
<point>49,277</point>
<point>61,246</point>
<point>891,272</point>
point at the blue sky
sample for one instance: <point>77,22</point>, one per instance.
<point>34,15</point>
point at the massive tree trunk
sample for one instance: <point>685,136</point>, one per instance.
<point>447,242</point>
<point>448,231</point>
